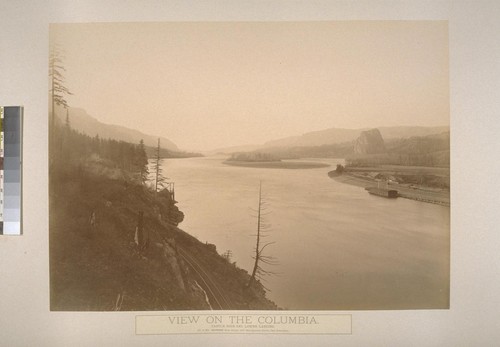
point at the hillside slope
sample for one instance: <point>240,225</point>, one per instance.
<point>432,150</point>
<point>81,121</point>
<point>99,261</point>
<point>93,268</point>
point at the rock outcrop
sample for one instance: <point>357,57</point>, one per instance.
<point>369,142</point>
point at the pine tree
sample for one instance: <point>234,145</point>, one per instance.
<point>58,90</point>
<point>160,180</point>
<point>67,123</point>
<point>142,162</point>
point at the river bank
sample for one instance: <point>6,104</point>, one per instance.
<point>408,191</point>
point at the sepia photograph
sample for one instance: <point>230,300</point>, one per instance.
<point>249,166</point>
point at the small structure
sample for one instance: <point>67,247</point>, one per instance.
<point>384,192</point>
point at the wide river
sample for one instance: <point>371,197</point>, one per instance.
<point>338,247</point>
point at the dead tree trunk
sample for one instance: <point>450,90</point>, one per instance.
<point>260,258</point>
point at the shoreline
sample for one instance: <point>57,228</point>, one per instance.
<point>433,197</point>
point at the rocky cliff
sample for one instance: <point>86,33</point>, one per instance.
<point>369,142</point>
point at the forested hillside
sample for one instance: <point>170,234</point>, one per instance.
<point>432,150</point>
<point>114,242</point>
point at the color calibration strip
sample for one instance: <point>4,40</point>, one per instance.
<point>1,170</point>
<point>10,170</point>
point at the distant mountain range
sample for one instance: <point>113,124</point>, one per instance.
<point>334,136</point>
<point>337,135</point>
<point>85,123</point>
<point>80,120</point>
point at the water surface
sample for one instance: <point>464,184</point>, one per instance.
<point>338,246</point>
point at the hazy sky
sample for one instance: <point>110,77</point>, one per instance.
<point>209,85</point>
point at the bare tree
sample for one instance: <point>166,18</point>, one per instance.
<point>261,259</point>
<point>159,178</point>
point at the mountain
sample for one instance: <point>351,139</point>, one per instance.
<point>333,142</point>
<point>420,144</point>
<point>369,142</point>
<point>316,138</point>
<point>339,135</point>
<point>80,120</point>
<point>411,131</point>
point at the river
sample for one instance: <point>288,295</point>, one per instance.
<point>338,247</point>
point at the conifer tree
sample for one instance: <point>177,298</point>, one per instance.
<point>142,162</point>
<point>58,89</point>
<point>160,180</point>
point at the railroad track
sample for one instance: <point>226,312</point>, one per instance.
<point>218,300</point>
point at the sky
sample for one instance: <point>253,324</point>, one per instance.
<point>208,85</point>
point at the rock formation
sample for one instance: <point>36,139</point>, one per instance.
<point>369,142</point>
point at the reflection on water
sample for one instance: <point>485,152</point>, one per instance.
<point>338,246</point>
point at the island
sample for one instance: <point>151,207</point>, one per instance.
<point>268,161</point>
